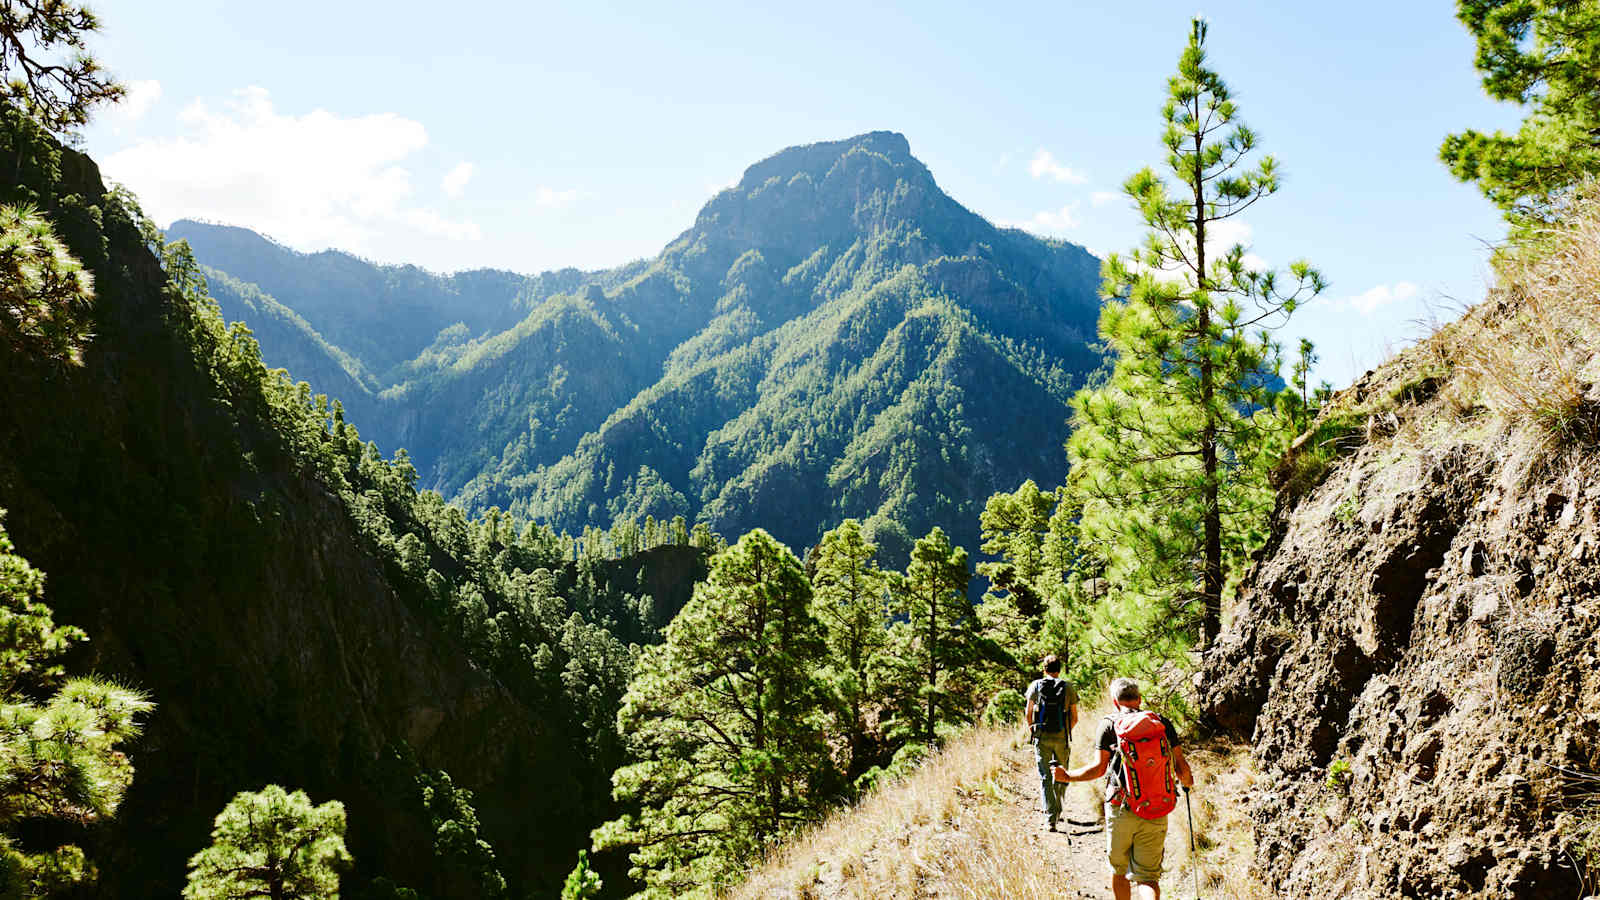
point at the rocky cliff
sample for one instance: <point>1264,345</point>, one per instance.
<point>1414,655</point>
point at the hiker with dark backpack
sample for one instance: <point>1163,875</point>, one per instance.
<point>1051,712</point>
<point>1144,765</point>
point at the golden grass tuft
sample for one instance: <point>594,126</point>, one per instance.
<point>1530,353</point>
<point>1532,356</point>
<point>947,824</point>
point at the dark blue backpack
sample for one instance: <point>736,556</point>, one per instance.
<point>1050,712</point>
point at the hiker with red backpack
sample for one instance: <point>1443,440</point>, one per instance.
<point>1139,749</point>
<point>1051,712</point>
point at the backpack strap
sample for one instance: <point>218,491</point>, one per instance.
<point>1115,797</point>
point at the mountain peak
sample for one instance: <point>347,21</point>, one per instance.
<point>820,194</point>
<point>816,159</point>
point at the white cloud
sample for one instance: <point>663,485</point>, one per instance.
<point>1045,166</point>
<point>455,181</point>
<point>429,222</point>
<point>1101,198</point>
<point>1221,236</point>
<point>1383,295</point>
<point>550,198</point>
<point>1049,221</point>
<point>141,96</point>
<point>312,180</point>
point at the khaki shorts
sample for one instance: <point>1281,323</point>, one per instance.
<point>1134,845</point>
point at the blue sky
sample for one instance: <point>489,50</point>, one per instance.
<point>530,136</point>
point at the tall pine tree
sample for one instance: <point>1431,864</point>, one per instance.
<point>1015,528</point>
<point>1166,456</point>
<point>935,646</point>
<point>851,600</point>
<point>725,723</point>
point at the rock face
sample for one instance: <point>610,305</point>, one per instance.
<point>1415,656</point>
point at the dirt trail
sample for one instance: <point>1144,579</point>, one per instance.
<point>1076,850</point>
<point>966,826</point>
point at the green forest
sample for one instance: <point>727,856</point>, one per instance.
<point>678,556</point>
<point>833,338</point>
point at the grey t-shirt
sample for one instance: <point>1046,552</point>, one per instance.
<point>1106,739</point>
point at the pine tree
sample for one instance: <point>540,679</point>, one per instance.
<point>271,843</point>
<point>851,600</point>
<point>465,859</point>
<point>725,720</point>
<point>1544,54</point>
<point>935,645</point>
<point>60,761</point>
<point>1015,527</point>
<point>583,882</point>
<point>45,293</point>
<point>1166,455</point>
<point>57,92</point>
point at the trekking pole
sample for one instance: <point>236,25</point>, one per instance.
<point>1194,857</point>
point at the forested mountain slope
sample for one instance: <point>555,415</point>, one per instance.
<point>834,336</point>
<point>297,611</point>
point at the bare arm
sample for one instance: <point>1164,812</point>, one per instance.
<point>1181,766</point>
<point>1072,717</point>
<point>1093,770</point>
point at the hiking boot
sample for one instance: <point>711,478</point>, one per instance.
<point>1052,823</point>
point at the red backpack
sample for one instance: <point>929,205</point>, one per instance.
<point>1148,786</point>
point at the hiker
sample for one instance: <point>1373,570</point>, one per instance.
<point>1052,711</point>
<point>1139,789</point>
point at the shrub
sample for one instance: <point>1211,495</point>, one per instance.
<point>1004,708</point>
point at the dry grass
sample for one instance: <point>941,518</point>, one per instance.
<point>959,828</point>
<point>1225,783</point>
<point>1529,352</point>
<point>948,824</point>
<point>1514,376</point>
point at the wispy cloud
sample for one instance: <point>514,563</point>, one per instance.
<point>455,181</point>
<point>1222,236</point>
<point>141,96</point>
<point>1101,198</point>
<point>550,198</point>
<point>1049,221</point>
<point>1370,301</point>
<point>1045,165</point>
<point>429,222</point>
<point>311,180</point>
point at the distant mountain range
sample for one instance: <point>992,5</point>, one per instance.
<point>833,337</point>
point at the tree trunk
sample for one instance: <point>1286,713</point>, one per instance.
<point>933,657</point>
<point>1211,553</point>
<point>758,737</point>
